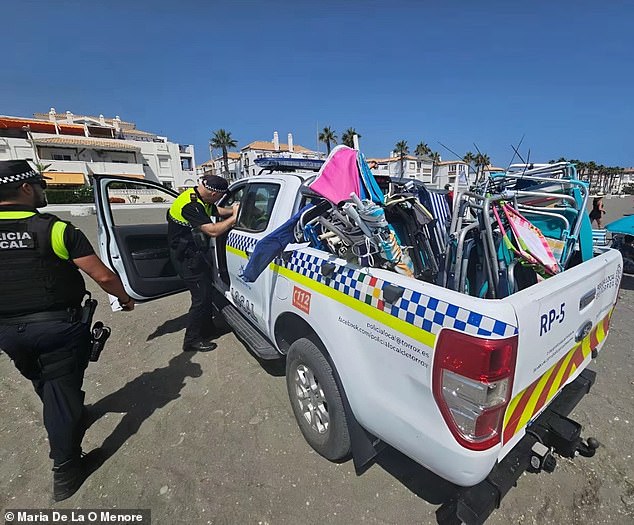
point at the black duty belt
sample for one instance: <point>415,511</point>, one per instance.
<point>70,315</point>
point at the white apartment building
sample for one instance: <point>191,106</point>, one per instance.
<point>242,164</point>
<point>260,149</point>
<point>423,168</point>
<point>445,172</point>
<point>75,147</point>
<point>216,166</point>
<point>419,168</point>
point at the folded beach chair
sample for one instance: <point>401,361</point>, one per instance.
<point>527,241</point>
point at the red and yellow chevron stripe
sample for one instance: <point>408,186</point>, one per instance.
<point>530,400</point>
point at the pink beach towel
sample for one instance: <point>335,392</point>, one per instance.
<point>339,175</point>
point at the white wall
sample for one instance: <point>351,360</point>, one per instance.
<point>169,171</point>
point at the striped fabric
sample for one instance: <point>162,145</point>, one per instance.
<point>600,241</point>
<point>440,210</point>
<point>600,237</point>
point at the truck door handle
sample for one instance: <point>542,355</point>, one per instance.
<point>587,298</point>
<point>327,269</point>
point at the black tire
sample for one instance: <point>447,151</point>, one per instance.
<point>316,400</point>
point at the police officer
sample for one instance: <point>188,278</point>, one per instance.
<point>40,311</point>
<point>189,213</point>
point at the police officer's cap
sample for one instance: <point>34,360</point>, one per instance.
<point>18,170</point>
<point>214,183</point>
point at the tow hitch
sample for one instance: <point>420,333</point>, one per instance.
<point>542,459</point>
<point>564,436</point>
<point>551,433</point>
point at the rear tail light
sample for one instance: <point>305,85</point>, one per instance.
<point>472,384</point>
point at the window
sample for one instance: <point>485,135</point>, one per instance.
<point>122,194</point>
<point>57,156</point>
<point>235,195</point>
<point>256,206</point>
<point>164,164</point>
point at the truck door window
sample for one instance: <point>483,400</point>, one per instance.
<point>256,207</point>
<point>122,194</point>
<point>234,195</point>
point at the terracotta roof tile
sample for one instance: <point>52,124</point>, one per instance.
<point>89,142</point>
<point>138,132</point>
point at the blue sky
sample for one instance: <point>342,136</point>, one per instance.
<point>559,73</point>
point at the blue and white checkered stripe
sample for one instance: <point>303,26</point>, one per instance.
<point>432,314</point>
<point>307,265</point>
<point>413,307</point>
<point>19,176</point>
<point>241,242</point>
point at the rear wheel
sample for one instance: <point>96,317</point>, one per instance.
<point>316,400</point>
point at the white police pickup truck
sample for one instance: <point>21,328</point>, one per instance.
<point>476,390</point>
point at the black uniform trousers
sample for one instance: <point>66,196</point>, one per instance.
<point>196,273</point>
<point>54,356</point>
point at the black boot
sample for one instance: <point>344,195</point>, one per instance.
<point>200,346</point>
<point>67,478</point>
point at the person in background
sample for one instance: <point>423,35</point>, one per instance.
<point>41,326</point>
<point>191,212</point>
<point>449,196</point>
<point>597,213</point>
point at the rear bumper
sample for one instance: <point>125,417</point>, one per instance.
<point>552,431</point>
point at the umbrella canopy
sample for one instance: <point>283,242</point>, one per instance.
<point>624,225</point>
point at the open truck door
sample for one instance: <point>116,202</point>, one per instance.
<point>133,239</point>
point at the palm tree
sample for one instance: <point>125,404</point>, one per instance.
<point>614,174</point>
<point>592,173</point>
<point>347,137</point>
<point>469,158</point>
<point>401,149</point>
<point>41,167</point>
<point>580,166</point>
<point>327,136</point>
<point>481,161</point>
<point>222,140</point>
<point>435,159</point>
<point>422,149</point>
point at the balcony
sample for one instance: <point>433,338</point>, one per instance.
<point>116,168</point>
<point>186,149</point>
<point>65,172</point>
